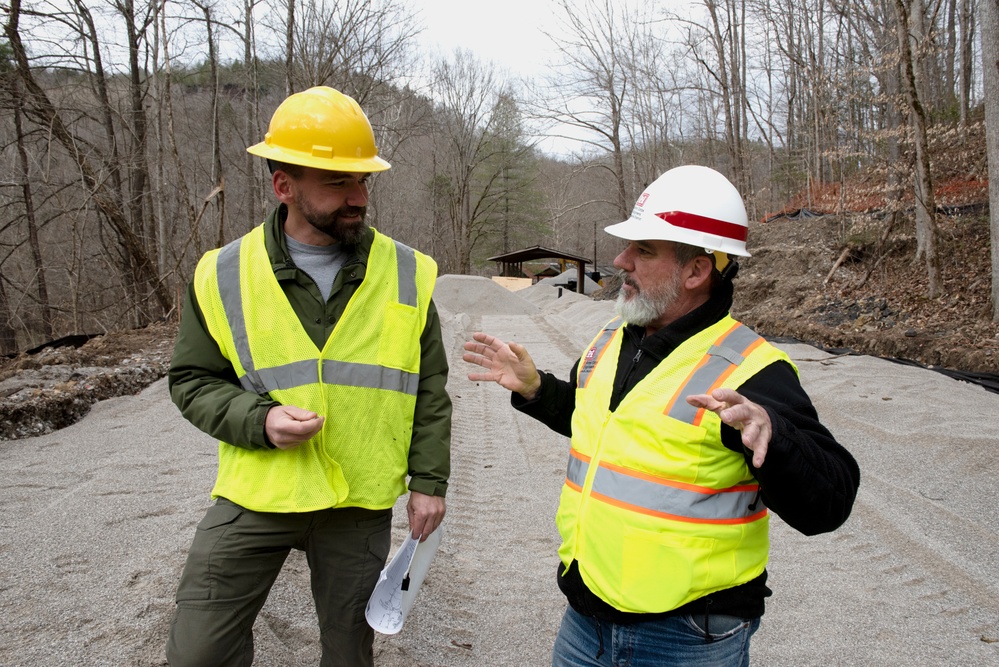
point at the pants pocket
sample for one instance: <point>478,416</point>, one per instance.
<point>717,626</point>
<point>195,582</point>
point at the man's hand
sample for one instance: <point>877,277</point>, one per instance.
<point>425,514</point>
<point>507,364</point>
<point>739,412</point>
<point>288,426</point>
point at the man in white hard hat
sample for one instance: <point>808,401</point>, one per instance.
<point>311,349</point>
<point>686,429</point>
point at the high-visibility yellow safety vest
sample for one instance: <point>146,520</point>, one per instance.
<point>364,381</point>
<point>655,509</point>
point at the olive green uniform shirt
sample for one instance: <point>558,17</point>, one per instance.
<point>204,385</point>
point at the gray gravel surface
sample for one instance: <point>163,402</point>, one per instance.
<point>96,519</point>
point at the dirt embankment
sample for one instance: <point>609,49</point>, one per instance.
<point>874,302</point>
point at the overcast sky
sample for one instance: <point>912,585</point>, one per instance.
<point>507,33</point>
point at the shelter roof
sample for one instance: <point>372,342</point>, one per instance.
<point>535,253</point>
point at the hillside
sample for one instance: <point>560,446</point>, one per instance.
<point>781,291</point>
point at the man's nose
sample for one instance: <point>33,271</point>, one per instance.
<point>621,261</point>
<point>358,194</point>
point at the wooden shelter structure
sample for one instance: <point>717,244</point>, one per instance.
<point>512,263</point>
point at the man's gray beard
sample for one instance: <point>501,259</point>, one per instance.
<point>649,305</point>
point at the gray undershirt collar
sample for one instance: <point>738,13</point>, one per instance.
<point>321,262</point>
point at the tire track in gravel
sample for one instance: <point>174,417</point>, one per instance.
<point>491,597</point>
<point>915,564</point>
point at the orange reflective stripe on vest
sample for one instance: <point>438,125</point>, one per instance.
<point>656,496</point>
<point>728,351</point>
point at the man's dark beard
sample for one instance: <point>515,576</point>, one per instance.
<point>333,226</point>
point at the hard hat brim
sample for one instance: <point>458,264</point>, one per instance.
<point>344,164</point>
<point>644,230</point>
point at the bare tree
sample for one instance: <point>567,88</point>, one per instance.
<point>218,178</point>
<point>966,40</point>
<point>727,37</point>
<point>140,269</point>
<point>358,46</point>
<point>478,153</point>
<point>289,50</point>
<point>989,22</point>
<point>926,225</point>
<point>590,87</point>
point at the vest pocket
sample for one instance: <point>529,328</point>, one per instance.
<point>398,345</point>
<point>659,571</point>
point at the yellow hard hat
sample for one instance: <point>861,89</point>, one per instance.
<point>321,128</point>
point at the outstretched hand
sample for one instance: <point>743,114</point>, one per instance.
<point>740,413</point>
<point>507,364</point>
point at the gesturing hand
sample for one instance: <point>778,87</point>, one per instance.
<point>739,412</point>
<point>507,364</point>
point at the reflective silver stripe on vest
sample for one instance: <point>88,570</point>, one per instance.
<point>592,355</point>
<point>342,373</point>
<point>681,502</point>
<point>227,266</point>
<point>288,376</point>
<point>576,471</point>
<point>720,359</point>
<point>660,498</point>
<point>305,372</point>
<point>370,376</point>
<point>406,259</point>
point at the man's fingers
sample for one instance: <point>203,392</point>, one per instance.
<point>287,425</point>
<point>705,401</point>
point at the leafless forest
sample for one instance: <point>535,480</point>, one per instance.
<point>124,126</point>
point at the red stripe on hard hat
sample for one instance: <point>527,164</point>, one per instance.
<point>699,223</point>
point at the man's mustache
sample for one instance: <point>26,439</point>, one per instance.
<point>628,280</point>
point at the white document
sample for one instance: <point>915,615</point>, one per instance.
<point>389,603</point>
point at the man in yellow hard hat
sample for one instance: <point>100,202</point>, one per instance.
<point>311,349</point>
<point>687,428</point>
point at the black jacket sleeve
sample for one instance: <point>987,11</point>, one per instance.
<point>554,403</point>
<point>808,479</point>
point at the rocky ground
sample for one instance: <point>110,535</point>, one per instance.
<point>874,302</point>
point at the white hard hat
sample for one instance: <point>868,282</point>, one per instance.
<point>693,205</point>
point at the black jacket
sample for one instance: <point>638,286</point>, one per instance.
<point>808,479</point>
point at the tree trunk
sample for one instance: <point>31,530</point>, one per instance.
<point>38,104</point>
<point>925,200</point>
<point>8,337</point>
<point>218,179</point>
<point>143,230</point>
<point>989,22</point>
<point>967,40</point>
<point>250,117</point>
<point>289,50</point>
<point>29,215</point>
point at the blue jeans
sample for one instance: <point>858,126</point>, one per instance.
<point>676,640</point>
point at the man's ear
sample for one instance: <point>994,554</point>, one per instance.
<point>283,189</point>
<point>698,272</point>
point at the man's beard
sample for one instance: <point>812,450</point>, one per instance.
<point>648,305</point>
<point>333,225</point>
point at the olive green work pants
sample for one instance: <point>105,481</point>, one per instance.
<point>236,557</point>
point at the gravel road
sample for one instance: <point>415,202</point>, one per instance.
<point>96,519</point>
